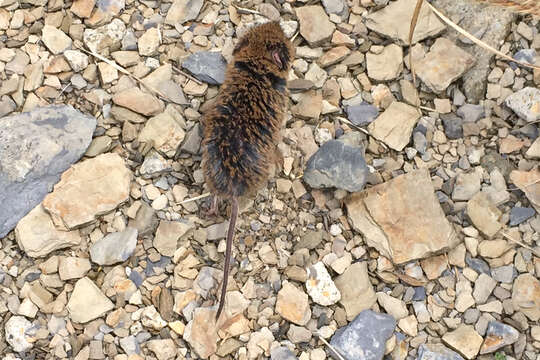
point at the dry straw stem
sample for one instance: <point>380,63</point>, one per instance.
<point>122,70</point>
<point>523,6</point>
<point>537,253</point>
<point>526,6</point>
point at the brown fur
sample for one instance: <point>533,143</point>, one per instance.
<point>242,127</point>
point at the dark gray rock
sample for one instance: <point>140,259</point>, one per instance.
<point>115,247</point>
<point>338,165</point>
<point>192,142</point>
<point>365,337</point>
<point>207,66</point>
<point>36,147</point>
<point>520,214</point>
<point>471,112</point>
<point>478,265</point>
<point>453,126</point>
<point>362,114</point>
<point>436,352</point>
<point>497,336</point>
<point>282,353</point>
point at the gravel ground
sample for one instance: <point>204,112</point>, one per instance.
<point>404,223</point>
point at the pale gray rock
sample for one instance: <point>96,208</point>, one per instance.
<point>384,22</point>
<point>338,165</point>
<point>282,353</point>
<point>207,66</point>
<point>437,352</point>
<point>525,103</point>
<point>115,247</point>
<point>17,329</point>
<point>362,114</point>
<point>35,149</point>
<point>365,337</point>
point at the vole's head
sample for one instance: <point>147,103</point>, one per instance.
<point>266,43</point>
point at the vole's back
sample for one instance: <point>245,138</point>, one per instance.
<point>241,130</point>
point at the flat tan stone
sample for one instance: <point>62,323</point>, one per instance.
<point>87,302</point>
<point>402,218</point>
<point>385,22</point>
<point>164,133</point>
<point>464,340</point>
<point>315,26</point>
<point>526,296</point>
<point>201,332</point>
<point>292,304</point>
<point>136,100</point>
<point>484,214</point>
<point>89,189</point>
<point>529,183</point>
<point>37,236</point>
<point>443,64</point>
<point>357,293</point>
<point>395,125</point>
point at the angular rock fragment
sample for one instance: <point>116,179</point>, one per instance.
<point>402,218</point>
<point>443,64</point>
<point>89,189</point>
<point>115,247</point>
<point>484,215</point>
<point>395,125</point>
<point>529,183</point>
<point>87,302</point>
<point>497,336</point>
<point>315,26</point>
<point>436,351</point>
<point>293,305</point>
<point>365,337</point>
<point>384,22</point>
<point>338,165</point>
<point>320,286</point>
<point>207,66</point>
<point>35,149</point>
<point>526,296</point>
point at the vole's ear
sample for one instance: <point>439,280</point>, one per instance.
<point>242,43</point>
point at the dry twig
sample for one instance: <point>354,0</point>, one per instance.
<point>522,6</point>
<point>195,198</point>
<point>537,253</point>
<point>124,71</point>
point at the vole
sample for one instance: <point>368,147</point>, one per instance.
<point>242,127</point>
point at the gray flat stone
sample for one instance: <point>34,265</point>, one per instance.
<point>115,247</point>
<point>338,165</point>
<point>362,114</point>
<point>35,149</point>
<point>436,352</point>
<point>365,337</point>
<point>282,353</point>
<point>207,66</point>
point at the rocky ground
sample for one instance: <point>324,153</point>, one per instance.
<point>404,222</point>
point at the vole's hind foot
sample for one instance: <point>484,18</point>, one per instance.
<point>212,207</point>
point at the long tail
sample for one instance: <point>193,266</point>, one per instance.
<point>522,6</point>
<point>228,250</point>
